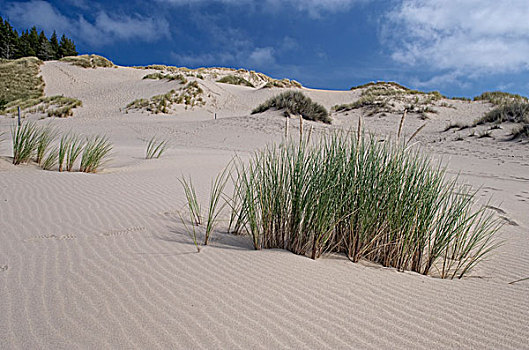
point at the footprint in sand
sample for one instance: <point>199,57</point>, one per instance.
<point>51,236</point>
<point>115,233</point>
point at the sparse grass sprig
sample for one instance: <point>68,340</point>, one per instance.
<point>155,148</point>
<point>193,204</point>
<point>95,153</point>
<point>215,207</point>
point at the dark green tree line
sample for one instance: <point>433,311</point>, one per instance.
<point>33,43</point>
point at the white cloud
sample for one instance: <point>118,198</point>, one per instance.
<point>36,13</point>
<point>262,56</point>
<point>103,30</point>
<point>315,8</point>
<point>466,38</point>
<point>106,29</point>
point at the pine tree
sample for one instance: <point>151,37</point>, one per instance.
<point>8,40</point>
<point>34,40</point>
<point>30,43</point>
<point>24,48</point>
<point>54,42</point>
<point>45,51</point>
<point>66,47</point>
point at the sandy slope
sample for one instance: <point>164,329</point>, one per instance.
<point>100,261</point>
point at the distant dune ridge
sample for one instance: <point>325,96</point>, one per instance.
<point>105,259</point>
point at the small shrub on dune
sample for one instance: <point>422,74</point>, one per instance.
<point>382,202</point>
<point>95,153</point>
<point>295,102</point>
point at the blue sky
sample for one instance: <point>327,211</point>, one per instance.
<point>459,47</point>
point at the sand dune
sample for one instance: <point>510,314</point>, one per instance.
<point>102,260</point>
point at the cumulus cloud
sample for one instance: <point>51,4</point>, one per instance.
<point>102,30</point>
<point>462,38</point>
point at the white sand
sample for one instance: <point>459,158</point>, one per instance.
<point>102,261</point>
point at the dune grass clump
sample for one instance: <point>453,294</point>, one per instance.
<point>155,148</point>
<point>282,84</point>
<point>514,112</point>
<point>189,95</point>
<point>20,80</point>
<point>235,80</point>
<point>160,76</point>
<point>381,202</point>
<point>95,152</point>
<point>295,102</point>
<point>52,106</point>
<point>390,97</point>
<point>498,98</point>
<point>89,61</point>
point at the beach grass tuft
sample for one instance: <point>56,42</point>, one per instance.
<point>96,151</point>
<point>25,141</point>
<point>75,147</point>
<point>382,202</point>
<point>46,136</point>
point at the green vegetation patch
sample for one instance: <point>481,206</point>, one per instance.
<point>189,95</point>
<point>89,61</point>
<point>235,80</point>
<point>20,80</point>
<point>390,97</point>
<point>381,202</point>
<point>160,76</point>
<point>295,102</point>
<point>515,111</point>
<point>499,97</point>
<point>21,86</point>
<point>283,83</point>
